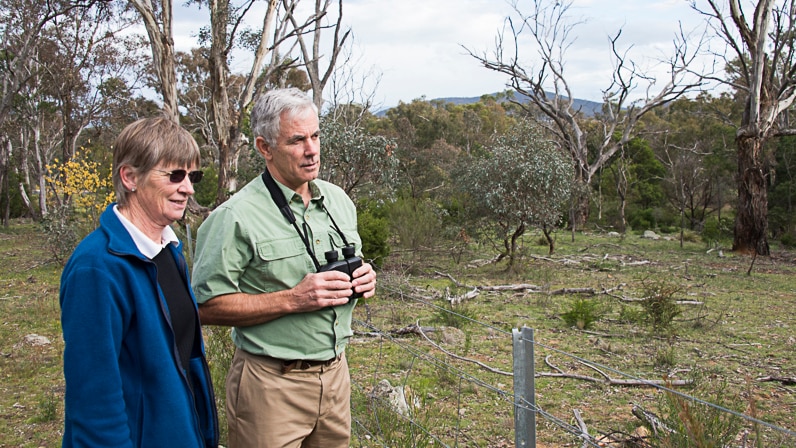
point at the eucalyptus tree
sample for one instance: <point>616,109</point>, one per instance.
<point>782,197</point>
<point>550,28</point>
<point>77,66</point>
<point>761,62</point>
<point>271,42</point>
<point>22,25</point>
<point>21,29</point>
<point>693,138</point>
<point>523,180</point>
<point>313,55</point>
<point>360,163</point>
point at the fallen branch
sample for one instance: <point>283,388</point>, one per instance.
<point>650,419</point>
<point>455,300</point>
<point>584,430</point>
<point>461,358</point>
<point>608,379</point>
<point>518,287</point>
<point>786,381</point>
<point>450,277</point>
<point>410,329</point>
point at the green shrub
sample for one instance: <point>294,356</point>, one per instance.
<point>454,315</point>
<point>583,313</point>
<point>205,191</point>
<point>374,230</point>
<point>660,303</point>
<point>695,424</point>
<point>788,240</point>
<point>665,357</point>
<point>717,231</point>
<point>641,219</point>
<point>60,232</point>
<point>631,314</point>
<point>691,237</point>
<point>414,222</point>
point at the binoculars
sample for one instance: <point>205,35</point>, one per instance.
<point>347,265</point>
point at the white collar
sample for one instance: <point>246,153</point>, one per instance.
<point>145,245</point>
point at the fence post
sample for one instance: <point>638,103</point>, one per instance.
<point>524,389</point>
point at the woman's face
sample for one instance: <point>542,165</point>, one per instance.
<point>158,201</point>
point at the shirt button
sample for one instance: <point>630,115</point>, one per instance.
<point>307,217</point>
<point>317,241</point>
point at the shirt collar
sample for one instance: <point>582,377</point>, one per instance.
<point>145,245</point>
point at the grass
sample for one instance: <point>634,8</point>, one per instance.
<point>732,329</point>
<point>736,329</point>
<point>32,385</point>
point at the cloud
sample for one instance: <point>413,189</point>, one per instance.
<point>419,46</point>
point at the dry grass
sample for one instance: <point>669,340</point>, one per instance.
<point>743,330</point>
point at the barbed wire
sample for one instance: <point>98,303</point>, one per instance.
<point>509,397</point>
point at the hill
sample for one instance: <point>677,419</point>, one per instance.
<point>589,108</point>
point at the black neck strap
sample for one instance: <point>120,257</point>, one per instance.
<point>284,207</point>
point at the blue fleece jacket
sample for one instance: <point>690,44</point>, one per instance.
<point>124,383</point>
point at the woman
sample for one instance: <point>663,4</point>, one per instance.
<point>136,374</point>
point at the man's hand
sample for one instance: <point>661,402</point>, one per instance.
<point>321,290</point>
<point>365,281</point>
<point>314,291</point>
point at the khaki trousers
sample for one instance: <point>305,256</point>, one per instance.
<point>306,407</point>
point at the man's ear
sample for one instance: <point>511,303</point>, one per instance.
<point>263,148</point>
<point>130,177</point>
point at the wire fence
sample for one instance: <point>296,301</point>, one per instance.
<point>433,386</point>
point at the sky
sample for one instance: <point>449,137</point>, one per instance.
<point>418,48</point>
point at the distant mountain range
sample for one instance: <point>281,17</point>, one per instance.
<point>589,108</point>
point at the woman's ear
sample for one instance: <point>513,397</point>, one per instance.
<point>130,177</point>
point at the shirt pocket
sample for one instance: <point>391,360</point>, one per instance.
<point>281,263</point>
<point>275,250</point>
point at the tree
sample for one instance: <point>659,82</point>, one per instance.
<point>549,26</point>
<point>782,197</point>
<point>312,58</point>
<point>158,21</point>
<point>524,180</point>
<point>353,159</point>
<point>22,27</point>
<point>761,71</point>
<point>229,106</point>
<point>635,175</point>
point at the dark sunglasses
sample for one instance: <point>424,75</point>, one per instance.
<point>176,176</point>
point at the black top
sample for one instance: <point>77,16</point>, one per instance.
<point>180,304</point>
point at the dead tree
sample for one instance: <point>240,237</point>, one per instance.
<point>547,88</point>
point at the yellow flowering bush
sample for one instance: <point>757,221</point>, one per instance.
<point>80,184</point>
<point>78,192</point>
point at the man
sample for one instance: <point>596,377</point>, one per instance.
<point>256,269</point>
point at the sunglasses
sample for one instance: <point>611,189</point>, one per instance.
<point>177,176</point>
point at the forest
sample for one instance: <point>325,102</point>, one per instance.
<point>454,200</point>
<point>681,159</point>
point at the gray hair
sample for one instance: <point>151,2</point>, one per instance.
<point>268,109</point>
<point>145,143</point>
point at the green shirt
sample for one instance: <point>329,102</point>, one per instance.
<point>246,245</point>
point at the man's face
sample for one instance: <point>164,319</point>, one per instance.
<point>296,159</point>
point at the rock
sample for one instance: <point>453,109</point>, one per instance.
<point>35,339</point>
<point>394,396</point>
<point>649,234</point>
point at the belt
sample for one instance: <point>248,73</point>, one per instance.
<point>303,364</point>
